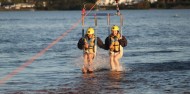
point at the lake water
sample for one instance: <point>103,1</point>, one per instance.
<point>156,60</point>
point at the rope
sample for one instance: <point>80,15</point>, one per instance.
<point>39,54</point>
<point>117,8</point>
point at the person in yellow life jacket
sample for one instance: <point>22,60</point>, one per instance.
<point>88,45</point>
<point>115,43</point>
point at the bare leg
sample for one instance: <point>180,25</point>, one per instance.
<point>116,61</point>
<point>90,63</point>
<point>85,65</point>
<point>112,62</point>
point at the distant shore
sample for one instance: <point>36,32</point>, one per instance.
<point>103,8</point>
<point>26,9</point>
<point>20,5</point>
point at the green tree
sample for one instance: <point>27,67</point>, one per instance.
<point>143,4</point>
<point>17,1</point>
<point>89,1</point>
<point>63,4</point>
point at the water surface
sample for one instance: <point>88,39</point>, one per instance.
<point>156,60</point>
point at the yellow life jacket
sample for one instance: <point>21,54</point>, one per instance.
<point>115,46</point>
<point>91,44</point>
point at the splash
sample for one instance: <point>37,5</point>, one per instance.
<point>101,62</point>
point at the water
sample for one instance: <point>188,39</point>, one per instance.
<point>156,60</point>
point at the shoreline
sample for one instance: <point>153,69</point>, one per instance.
<point>1,10</point>
<point>31,9</point>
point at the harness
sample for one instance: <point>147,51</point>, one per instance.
<point>115,46</point>
<point>91,44</point>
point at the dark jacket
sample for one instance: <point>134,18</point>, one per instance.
<point>122,42</point>
<point>80,44</point>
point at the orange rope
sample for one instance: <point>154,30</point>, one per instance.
<point>32,59</point>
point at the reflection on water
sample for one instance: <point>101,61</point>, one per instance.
<point>115,75</point>
<point>101,82</point>
<point>115,79</point>
<point>88,76</point>
<point>105,82</point>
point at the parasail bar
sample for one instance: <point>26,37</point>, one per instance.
<point>101,14</point>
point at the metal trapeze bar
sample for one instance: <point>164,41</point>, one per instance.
<point>101,14</point>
